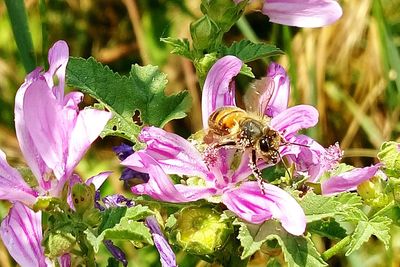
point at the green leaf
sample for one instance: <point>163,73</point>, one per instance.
<point>349,201</point>
<point>180,46</point>
<point>111,217</point>
<point>317,207</point>
<point>249,51</point>
<point>138,212</point>
<point>246,70</point>
<point>121,223</point>
<point>389,155</point>
<point>130,230</point>
<point>141,91</point>
<point>377,226</point>
<point>297,250</point>
<point>94,240</point>
<point>328,228</point>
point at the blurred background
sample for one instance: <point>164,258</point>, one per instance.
<point>350,71</point>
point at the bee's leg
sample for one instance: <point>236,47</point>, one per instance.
<point>225,144</point>
<point>256,171</point>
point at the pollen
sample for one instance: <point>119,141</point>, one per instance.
<point>210,156</point>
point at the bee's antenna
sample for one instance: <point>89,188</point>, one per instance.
<point>296,144</point>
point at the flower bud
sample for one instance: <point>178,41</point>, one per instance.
<point>224,12</point>
<point>83,197</point>
<point>373,193</point>
<point>59,243</point>
<point>204,33</point>
<point>200,230</point>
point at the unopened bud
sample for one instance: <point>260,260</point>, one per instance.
<point>200,231</point>
<point>373,193</point>
<point>224,12</point>
<point>204,33</point>
<point>59,243</point>
<point>83,197</point>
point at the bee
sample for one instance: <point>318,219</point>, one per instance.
<point>231,126</point>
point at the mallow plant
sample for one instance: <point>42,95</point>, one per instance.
<point>250,181</point>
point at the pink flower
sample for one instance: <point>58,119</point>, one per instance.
<point>52,132</point>
<point>302,13</point>
<point>314,161</point>
<point>53,135</point>
<point>167,153</point>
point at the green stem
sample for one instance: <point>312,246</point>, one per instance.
<point>336,248</point>
<point>19,24</point>
<point>246,30</point>
<point>45,32</point>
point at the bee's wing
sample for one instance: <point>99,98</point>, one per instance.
<point>258,95</point>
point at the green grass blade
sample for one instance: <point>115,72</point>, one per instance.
<point>19,23</point>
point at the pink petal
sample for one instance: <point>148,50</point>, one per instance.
<point>159,185</point>
<point>98,179</point>
<point>21,232</point>
<point>65,260</point>
<point>26,143</point>
<point>348,181</point>
<point>58,59</point>
<point>12,185</point>
<point>72,100</point>
<point>88,126</point>
<point>219,88</point>
<point>276,96</point>
<point>302,13</point>
<point>173,153</point>
<point>293,119</point>
<point>47,125</point>
<point>250,204</point>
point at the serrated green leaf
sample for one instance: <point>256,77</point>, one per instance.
<point>317,207</point>
<point>389,155</point>
<point>142,91</point>
<point>248,51</point>
<point>298,250</point>
<point>180,46</point>
<point>249,239</point>
<point>329,228</point>
<point>130,230</point>
<point>138,212</point>
<point>348,201</point>
<point>377,226</point>
<point>111,217</point>
<point>246,70</point>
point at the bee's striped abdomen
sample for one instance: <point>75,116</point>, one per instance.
<point>223,119</point>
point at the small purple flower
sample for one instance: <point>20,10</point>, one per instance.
<point>167,256</point>
<point>117,201</point>
<point>302,13</point>
<point>117,253</point>
<point>123,151</point>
